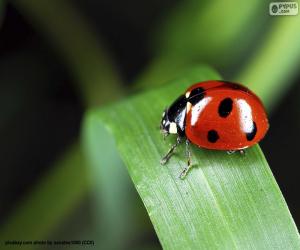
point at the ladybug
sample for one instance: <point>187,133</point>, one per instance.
<point>216,115</point>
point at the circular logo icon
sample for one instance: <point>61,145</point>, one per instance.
<point>274,8</point>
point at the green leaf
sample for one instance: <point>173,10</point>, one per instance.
<point>225,202</point>
<point>41,210</point>
<point>109,196</point>
<point>217,32</point>
<point>84,54</point>
<point>95,73</point>
<point>267,72</point>
<point>185,35</point>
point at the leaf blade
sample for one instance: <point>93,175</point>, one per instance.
<point>226,202</point>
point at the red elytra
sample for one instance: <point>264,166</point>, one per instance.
<point>228,117</point>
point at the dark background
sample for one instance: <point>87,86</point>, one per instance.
<point>41,111</point>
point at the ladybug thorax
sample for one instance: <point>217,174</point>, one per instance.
<point>173,118</point>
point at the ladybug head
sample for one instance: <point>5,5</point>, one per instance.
<point>173,118</point>
<point>166,126</point>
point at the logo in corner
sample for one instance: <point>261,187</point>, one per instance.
<point>283,8</point>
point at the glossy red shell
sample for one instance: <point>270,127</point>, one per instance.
<point>245,124</point>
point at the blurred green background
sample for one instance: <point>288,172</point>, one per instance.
<point>58,58</point>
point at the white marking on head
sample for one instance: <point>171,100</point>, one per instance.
<point>245,116</point>
<point>173,128</point>
<point>187,94</point>
<point>163,122</point>
<point>163,114</point>
<point>198,108</point>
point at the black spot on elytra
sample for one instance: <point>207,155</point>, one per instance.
<point>196,95</point>
<point>212,136</point>
<point>250,136</point>
<point>225,107</point>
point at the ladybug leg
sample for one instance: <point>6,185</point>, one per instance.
<point>230,152</point>
<point>188,155</point>
<point>242,151</point>
<point>188,152</point>
<point>166,158</point>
